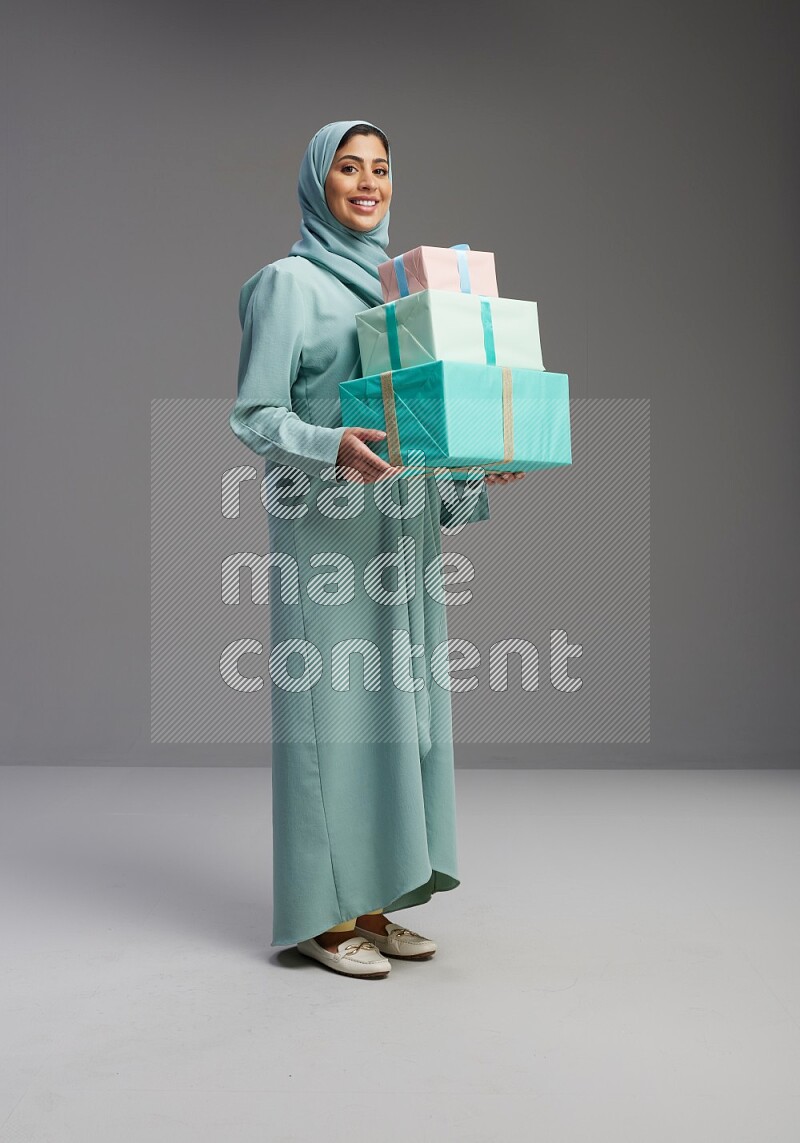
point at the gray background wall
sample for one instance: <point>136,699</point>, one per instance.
<point>632,165</point>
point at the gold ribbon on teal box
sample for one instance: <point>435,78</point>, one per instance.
<point>393,428</point>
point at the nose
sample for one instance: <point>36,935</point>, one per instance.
<point>367,181</point>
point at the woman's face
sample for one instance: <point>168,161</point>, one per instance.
<point>359,175</point>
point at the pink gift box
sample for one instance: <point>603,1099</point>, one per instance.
<point>437,268</point>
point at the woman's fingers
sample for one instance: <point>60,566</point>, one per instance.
<point>363,466</point>
<point>356,457</point>
<point>503,477</point>
<point>373,466</point>
<point>357,460</point>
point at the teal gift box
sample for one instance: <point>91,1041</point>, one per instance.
<point>462,415</point>
<point>435,325</point>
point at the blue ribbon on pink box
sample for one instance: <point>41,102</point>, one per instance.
<point>463,270</point>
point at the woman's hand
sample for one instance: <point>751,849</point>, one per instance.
<point>361,464</point>
<point>503,477</point>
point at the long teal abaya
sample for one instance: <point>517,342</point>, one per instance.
<point>363,808</point>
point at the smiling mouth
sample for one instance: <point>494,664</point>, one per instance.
<point>364,203</point>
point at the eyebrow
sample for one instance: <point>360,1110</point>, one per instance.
<point>386,161</point>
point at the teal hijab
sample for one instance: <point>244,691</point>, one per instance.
<point>352,256</point>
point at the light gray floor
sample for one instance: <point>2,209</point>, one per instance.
<point>621,962</point>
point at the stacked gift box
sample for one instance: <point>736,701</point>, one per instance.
<point>453,371</point>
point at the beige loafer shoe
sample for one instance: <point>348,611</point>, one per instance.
<point>400,942</point>
<point>355,956</point>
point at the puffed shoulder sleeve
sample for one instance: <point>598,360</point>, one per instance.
<point>273,326</point>
<point>480,510</point>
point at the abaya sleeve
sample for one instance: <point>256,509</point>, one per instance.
<point>273,333</point>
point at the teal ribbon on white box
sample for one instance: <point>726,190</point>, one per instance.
<point>488,330</point>
<point>432,324</point>
<point>393,339</point>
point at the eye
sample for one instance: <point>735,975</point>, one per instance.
<point>349,167</point>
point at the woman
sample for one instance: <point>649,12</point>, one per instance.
<point>362,756</point>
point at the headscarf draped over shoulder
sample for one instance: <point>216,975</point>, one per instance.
<point>350,255</point>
